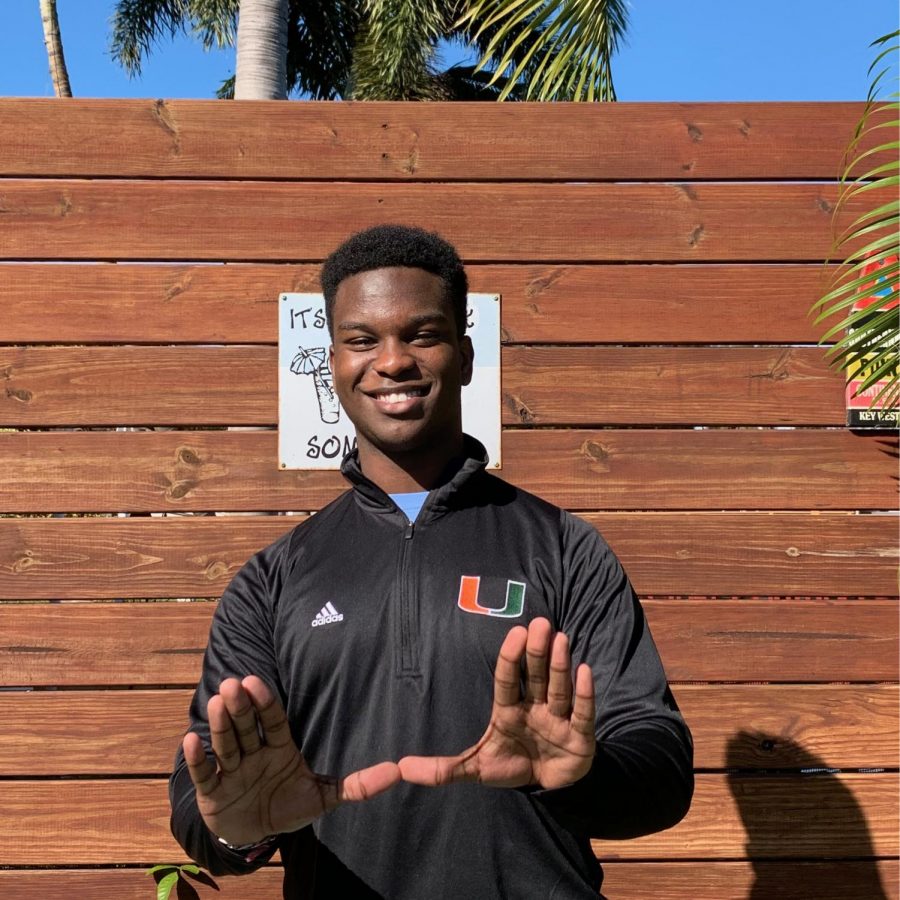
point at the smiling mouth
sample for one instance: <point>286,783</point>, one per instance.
<point>395,397</point>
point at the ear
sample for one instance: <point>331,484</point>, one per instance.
<point>467,354</point>
<point>331,357</point>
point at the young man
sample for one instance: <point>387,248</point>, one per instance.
<point>460,606</point>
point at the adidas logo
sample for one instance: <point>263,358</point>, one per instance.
<point>326,615</point>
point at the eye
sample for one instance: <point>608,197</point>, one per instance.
<point>362,342</point>
<point>427,338</point>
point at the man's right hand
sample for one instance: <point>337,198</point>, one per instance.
<point>262,785</point>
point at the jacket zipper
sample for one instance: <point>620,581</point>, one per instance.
<point>409,612</point>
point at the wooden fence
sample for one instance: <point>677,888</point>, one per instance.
<point>660,378</point>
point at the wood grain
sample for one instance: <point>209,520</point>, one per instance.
<point>302,222</point>
<point>699,554</point>
<point>759,880</point>
<point>468,141</point>
<point>792,726</point>
<point>98,644</point>
<point>789,816</point>
<point>53,386</point>
<point>719,469</point>
<point>280,202</point>
<point>767,817</point>
<point>707,880</point>
<point>741,726</point>
<point>235,303</point>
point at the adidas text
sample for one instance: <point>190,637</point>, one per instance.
<point>326,615</point>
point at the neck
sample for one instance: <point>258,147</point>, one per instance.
<point>403,473</point>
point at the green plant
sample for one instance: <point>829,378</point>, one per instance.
<point>867,349</point>
<point>390,49</point>
<point>562,49</point>
<point>168,880</point>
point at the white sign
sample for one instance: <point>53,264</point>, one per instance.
<point>314,431</point>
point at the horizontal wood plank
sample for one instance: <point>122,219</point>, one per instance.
<point>468,141</point>
<point>153,220</point>
<point>706,880</point>
<point>743,726</point>
<point>53,386</point>
<point>788,816</point>
<point>234,303</point>
<point>96,644</point>
<point>794,726</point>
<point>700,554</point>
<point>769,817</point>
<point>759,880</point>
<point>634,469</point>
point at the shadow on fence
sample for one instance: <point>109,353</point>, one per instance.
<point>775,827</point>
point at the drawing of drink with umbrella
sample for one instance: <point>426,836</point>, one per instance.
<point>314,361</point>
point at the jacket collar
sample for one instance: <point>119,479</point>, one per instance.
<point>459,475</point>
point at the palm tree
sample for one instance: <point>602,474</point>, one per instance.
<point>388,49</point>
<point>261,71</point>
<point>53,43</point>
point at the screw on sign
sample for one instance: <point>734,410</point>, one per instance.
<point>861,412</point>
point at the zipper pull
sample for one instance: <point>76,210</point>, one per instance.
<point>409,531</point>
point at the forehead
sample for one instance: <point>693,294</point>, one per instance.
<point>396,291</point>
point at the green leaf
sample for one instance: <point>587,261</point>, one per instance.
<point>560,48</point>
<point>161,868</point>
<point>164,888</point>
<point>190,867</point>
<point>867,338</point>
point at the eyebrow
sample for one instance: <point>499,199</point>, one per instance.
<point>415,321</point>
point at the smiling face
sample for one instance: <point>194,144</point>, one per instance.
<point>399,366</point>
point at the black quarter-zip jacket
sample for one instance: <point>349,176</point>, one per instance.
<point>380,643</point>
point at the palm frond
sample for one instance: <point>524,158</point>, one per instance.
<point>465,82</point>
<point>215,22</point>
<point>396,47</point>
<point>560,49</point>
<point>139,24</point>
<point>321,36</point>
<point>865,291</point>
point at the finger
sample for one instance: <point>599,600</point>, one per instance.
<point>537,650</point>
<point>435,771</point>
<point>367,783</point>
<point>243,715</point>
<point>275,726</point>
<point>222,735</point>
<point>583,709</point>
<point>200,767</point>
<point>559,688</point>
<point>506,675</point>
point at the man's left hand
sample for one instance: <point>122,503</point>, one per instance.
<point>544,738</point>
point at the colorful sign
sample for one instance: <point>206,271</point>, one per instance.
<point>861,412</point>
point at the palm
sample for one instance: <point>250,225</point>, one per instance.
<point>531,745</point>
<point>382,50</point>
<point>274,792</point>
<point>263,786</point>
<point>545,737</point>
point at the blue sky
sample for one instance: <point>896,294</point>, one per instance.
<point>694,50</point>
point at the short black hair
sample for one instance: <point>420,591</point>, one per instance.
<point>386,246</point>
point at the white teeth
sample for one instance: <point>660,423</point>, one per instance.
<point>399,397</point>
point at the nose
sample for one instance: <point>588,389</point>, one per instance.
<point>394,358</point>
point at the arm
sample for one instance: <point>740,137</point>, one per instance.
<point>627,774</point>
<point>240,644</point>
<point>641,779</point>
<point>239,776</point>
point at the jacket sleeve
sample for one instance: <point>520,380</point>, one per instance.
<point>641,780</point>
<point>240,643</point>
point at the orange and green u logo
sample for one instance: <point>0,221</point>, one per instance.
<point>468,598</point>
